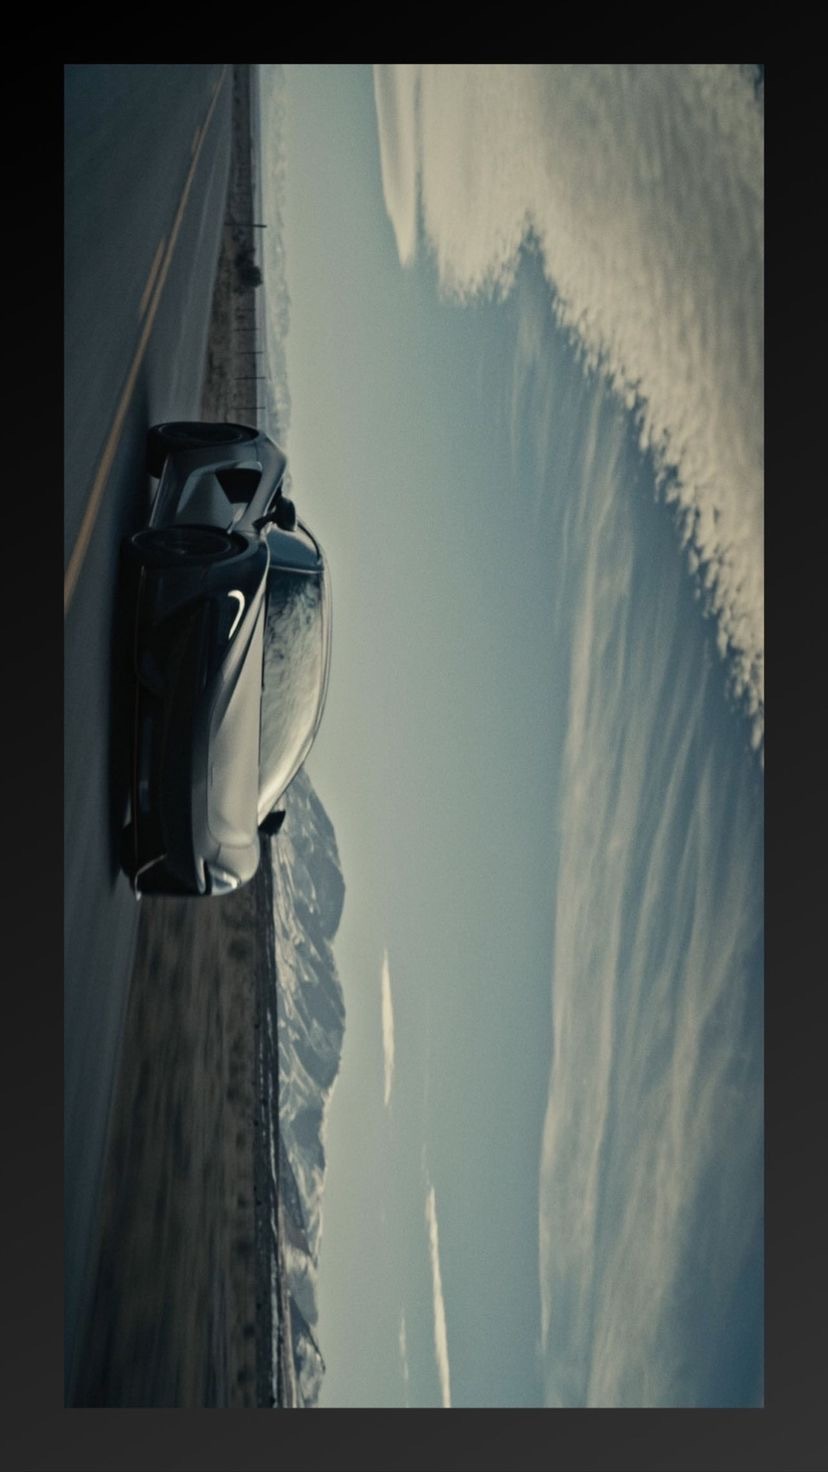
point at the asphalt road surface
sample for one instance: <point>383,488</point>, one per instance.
<point>146,168</point>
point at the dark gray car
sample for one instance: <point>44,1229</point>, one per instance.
<point>232,624</point>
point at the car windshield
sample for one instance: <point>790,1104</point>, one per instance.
<point>293,677</point>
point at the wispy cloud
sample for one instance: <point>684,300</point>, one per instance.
<point>440,1334</point>
<point>643,187</point>
<point>387,1027</point>
<point>403,1342</point>
<point>396,102</point>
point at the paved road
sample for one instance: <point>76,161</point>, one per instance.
<point>147,156</point>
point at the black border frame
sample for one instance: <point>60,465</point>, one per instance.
<point>790,1432</point>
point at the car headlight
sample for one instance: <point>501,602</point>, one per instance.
<point>237,602</point>
<point>229,607</point>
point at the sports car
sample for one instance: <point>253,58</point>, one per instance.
<point>230,599</point>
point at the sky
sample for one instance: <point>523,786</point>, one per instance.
<point>525,371</point>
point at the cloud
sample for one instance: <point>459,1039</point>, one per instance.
<point>403,1342</point>
<point>650,1181</point>
<point>643,187</point>
<point>440,1334</point>
<point>387,1028</point>
<point>395,96</point>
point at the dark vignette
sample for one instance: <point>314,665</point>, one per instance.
<point>38,1434</point>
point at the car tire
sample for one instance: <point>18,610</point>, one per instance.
<point>163,439</point>
<point>272,824</point>
<point>127,850</point>
<point>158,879</point>
<point>184,544</point>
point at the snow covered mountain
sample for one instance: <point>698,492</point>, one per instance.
<point>308,895</point>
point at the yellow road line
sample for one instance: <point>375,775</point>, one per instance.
<point>156,262</point>
<point>87,525</point>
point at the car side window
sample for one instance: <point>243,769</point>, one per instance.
<point>239,483</point>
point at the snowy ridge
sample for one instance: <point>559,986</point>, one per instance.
<point>308,895</point>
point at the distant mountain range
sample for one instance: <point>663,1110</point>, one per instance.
<point>308,896</point>
<point>308,887</point>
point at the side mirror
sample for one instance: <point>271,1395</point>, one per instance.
<point>284,513</point>
<point>270,825</point>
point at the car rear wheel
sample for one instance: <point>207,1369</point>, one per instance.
<point>183,544</point>
<point>162,439</point>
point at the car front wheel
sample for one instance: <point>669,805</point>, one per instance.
<point>163,439</point>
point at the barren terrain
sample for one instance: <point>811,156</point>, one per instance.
<point>175,1315</point>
